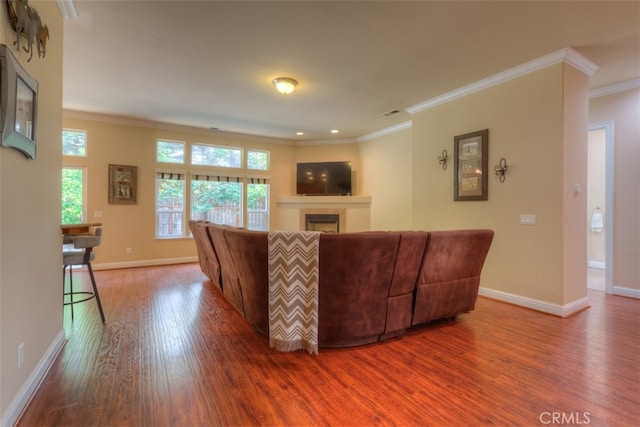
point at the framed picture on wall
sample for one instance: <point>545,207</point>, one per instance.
<point>18,105</point>
<point>123,185</point>
<point>471,166</point>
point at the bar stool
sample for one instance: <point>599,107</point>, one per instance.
<point>81,254</point>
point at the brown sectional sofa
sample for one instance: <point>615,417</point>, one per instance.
<point>372,285</point>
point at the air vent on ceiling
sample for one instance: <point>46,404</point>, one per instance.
<point>390,113</point>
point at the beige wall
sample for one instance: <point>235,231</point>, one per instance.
<point>525,121</point>
<point>623,109</point>
<point>386,177</point>
<point>30,240</point>
<point>575,114</point>
<point>112,140</point>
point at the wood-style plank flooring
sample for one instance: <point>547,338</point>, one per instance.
<point>173,352</point>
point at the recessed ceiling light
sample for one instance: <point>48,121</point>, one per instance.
<point>334,131</point>
<point>299,133</point>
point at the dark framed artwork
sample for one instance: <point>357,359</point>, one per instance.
<point>471,166</point>
<point>18,105</point>
<point>123,185</point>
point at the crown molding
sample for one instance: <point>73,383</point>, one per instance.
<point>386,131</point>
<point>567,55</point>
<point>142,123</point>
<point>614,88</point>
<point>67,9</point>
<point>326,142</point>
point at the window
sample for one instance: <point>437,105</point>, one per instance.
<point>170,151</point>
<point>74,143</point>
<point>211,155</point>
<point>73,200</point>
<point>213,192</point>
<point>258,204</point>
<point>217,199</point>
<point>258,160</point>
<point>170,204</point>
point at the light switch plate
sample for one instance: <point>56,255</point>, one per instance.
<point>528,219</point>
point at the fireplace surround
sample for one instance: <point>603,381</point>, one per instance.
<point>355,211</point>
<point>323,219</point>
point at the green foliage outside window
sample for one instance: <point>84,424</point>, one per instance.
<point>74,143</point>
<point>170,193</point>
<point>170,152</point>
<point>209,155</point>
<point>206,195</point>
<point>72,209</point>
<point>258,160</point>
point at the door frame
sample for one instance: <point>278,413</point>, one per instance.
<point>609,197</point>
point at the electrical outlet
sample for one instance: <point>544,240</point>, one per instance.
<point>528,219</point>
<point>20,354</point>
<point>129,251</point>
<point>97,214</point>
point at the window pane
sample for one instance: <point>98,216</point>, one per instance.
<point>169,207</point>
<point>170,152</point>
<point>209,155</point>
<point>258,160</point>
<point>72,195</point>
<point>74,143</point>
<point>217,202</point>
<point>258,207</point>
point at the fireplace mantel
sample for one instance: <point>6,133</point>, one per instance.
<point>314,200</point>
<point>291,210</point>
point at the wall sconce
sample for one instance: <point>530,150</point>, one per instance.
<point>501,169</point>
<point>442,159</point>
<point>285,85</point>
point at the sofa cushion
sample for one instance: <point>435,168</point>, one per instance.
<point>354,278</point>
<point>450,275</point>
<point>228,272</point>
<point>250,253</point>
<point>206,254</point>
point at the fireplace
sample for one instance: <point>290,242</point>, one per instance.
<point>324,220</point>
<point>327,223</point>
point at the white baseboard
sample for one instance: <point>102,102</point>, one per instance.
<point>597,264</point>
<point>144,263</point>
<point>12,414</point>
<point>535,304</point>
<point>626,292</point>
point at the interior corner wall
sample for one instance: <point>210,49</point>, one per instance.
<point>387,179</point>
<point>623,109</point>
<point>30,238</point>
<point>525,118</point>
<point>574,183</point>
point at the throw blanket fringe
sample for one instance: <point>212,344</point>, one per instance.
<point>293,290</point>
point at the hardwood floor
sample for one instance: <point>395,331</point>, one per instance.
<point>174,352</point>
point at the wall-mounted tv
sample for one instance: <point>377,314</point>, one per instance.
<point>323,179</point>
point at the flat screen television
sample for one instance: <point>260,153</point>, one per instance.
<point>323,179</point>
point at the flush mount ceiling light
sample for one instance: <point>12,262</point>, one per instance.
<point>285,85</point>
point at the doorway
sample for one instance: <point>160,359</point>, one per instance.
<point>600,207</point>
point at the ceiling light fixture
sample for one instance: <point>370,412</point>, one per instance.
<point>285,85</point>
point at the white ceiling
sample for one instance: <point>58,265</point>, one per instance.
<point>210,64</point>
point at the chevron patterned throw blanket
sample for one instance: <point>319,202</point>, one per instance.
<point>293,290</point>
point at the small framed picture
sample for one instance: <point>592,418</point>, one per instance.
<point>123,184</point>
<point>471,166</point>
